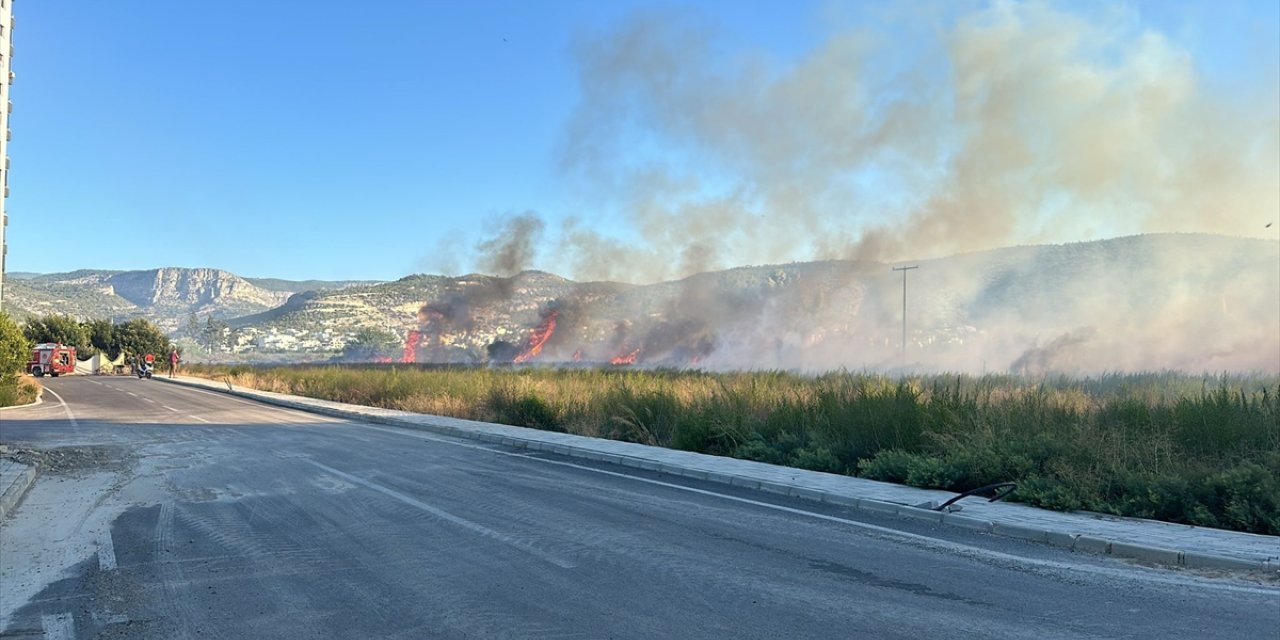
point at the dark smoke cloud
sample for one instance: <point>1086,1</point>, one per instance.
<point>513,245</point>
<point>1055,356</point>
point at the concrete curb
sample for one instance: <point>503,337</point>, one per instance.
<point>1058,538</point>
<point>16,489</point>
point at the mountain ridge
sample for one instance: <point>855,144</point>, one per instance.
<point>165,295</point>
<point>1197,301</point>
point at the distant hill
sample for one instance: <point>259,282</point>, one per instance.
<point>1192,302</point>
<point>298,286</point>
<point>167,296</point>
<point>1184,301</point>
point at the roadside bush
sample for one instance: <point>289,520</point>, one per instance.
<point>15,349</point>
<point>700,434</point>
<point>510,406</point>
<point>892,465</point>
<point>646,417</point>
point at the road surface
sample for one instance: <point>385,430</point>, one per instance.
<point>170,512</point>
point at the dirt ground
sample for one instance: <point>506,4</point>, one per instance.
<point>68,460</point>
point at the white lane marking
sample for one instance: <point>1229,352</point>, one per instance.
<point>71,417</point>
<point>202,419</point>
<point>59,627</point>
<point>106,551</point>
<point>132,393</point>
<point>957,547</point>
<point>165,406</point>
<point>445,515</point>
<point>149,400</point>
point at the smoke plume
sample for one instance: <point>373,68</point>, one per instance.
<point>1013,124</point>
<point>915,139</point>
<point>513,245</point>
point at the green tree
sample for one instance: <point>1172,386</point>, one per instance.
<point>139,337</point>
<point>370,344</point>
<point>101,335</point>
<point>193,326</point>
<point>215,335</point>
<point>15,350</point>
<point>56,328</point>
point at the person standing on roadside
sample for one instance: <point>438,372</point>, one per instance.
<point>173,361</point>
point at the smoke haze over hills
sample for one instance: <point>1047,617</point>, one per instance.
<point>1190,302</point>
<point>934,130</point>
<point>930,134</point>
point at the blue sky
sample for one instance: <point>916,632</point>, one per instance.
<point>340,140</point>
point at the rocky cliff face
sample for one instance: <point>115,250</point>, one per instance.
<point>165,296</point>
<point>201,291</point>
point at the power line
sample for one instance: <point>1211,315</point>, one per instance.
<point>904,271</point>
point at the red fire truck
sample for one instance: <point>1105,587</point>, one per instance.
<point>51,358</point>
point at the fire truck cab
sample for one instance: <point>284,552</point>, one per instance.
<point>51,358</point>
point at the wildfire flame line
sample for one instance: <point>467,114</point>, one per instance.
<point>411,346</point>
<point>538,336</point>
<point>629,358</point>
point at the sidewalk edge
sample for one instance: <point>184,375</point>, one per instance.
<point>14,492</point>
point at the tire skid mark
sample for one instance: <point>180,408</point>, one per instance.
<point>485,532</point>
<point>369,584</point>
<point>230,529</point>
<point>181,612</point>
<point>272,557</point>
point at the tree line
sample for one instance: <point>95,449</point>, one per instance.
<point>90,337</point>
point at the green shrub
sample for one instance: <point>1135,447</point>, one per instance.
<point>891,465</point>
<point>15,349</point>
<point>523,410</point>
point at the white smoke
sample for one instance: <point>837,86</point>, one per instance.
<point>1011,124</point>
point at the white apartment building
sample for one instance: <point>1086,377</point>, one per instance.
<point>6,80</point>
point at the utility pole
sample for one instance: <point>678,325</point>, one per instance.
<point>904,271</point>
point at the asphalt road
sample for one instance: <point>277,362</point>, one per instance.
<point>170,512</point>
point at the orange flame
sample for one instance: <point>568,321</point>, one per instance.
<point>629,358</point>
<point>411,346</point>
<point>538,336</point>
